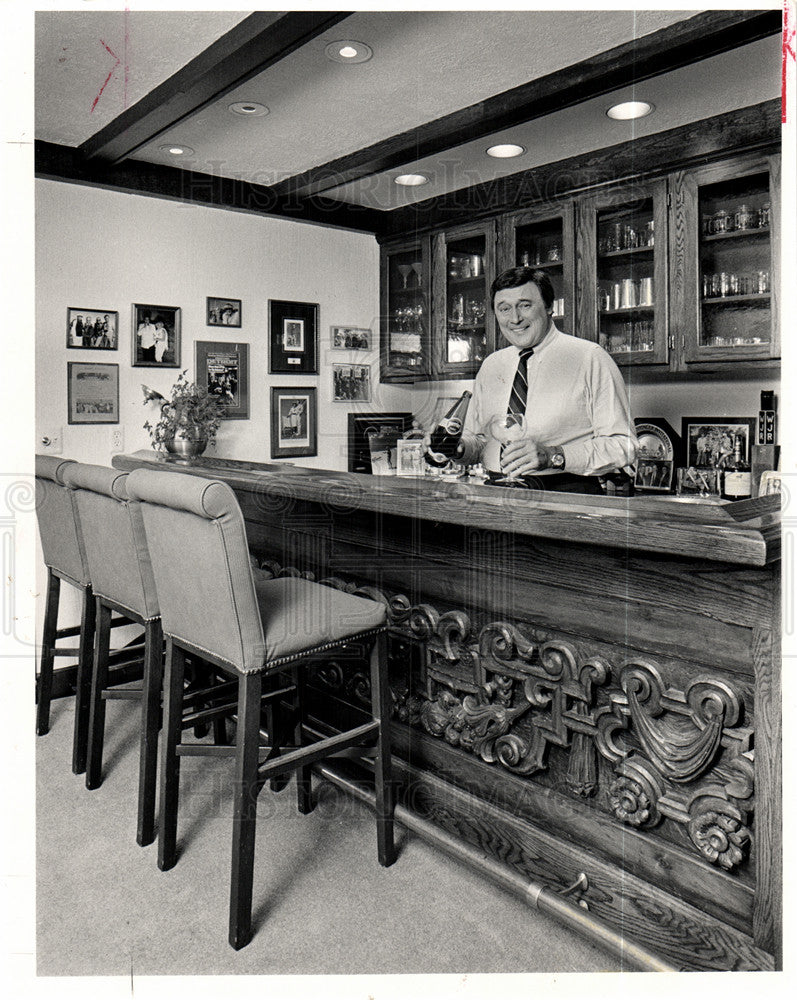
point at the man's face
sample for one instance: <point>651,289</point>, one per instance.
<point>522,315</point>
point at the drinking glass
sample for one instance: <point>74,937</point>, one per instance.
<point>404,271</point>
<point>505,428</point>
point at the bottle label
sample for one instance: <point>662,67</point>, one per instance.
<point>737,484</point>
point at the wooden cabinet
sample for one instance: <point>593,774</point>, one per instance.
<point>405,323</point>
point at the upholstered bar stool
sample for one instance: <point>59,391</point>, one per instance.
<point>211,606</point>
<point>122,581</point>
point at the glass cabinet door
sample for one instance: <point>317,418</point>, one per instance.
<point>463,270</point>
<point>405,325</point>
<point>544,241</point>
<point>733,212</point>
<point>623,273</point>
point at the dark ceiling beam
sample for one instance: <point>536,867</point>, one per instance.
<point>699,37</point>
<point>65,163</point>
<point>253,45</point>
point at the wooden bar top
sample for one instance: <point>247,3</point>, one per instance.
<point>743,533</point>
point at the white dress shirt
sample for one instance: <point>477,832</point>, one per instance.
<point>576,399</point>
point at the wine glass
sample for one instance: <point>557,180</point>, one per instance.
<point>505,428</point>
<point>417,267</point>
<point>404,271</point>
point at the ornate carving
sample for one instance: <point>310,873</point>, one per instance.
<point>717,830</point>
<point>635,793</point>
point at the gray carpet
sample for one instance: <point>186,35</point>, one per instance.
<point>322,904</point>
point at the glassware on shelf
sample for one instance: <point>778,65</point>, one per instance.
<point>405,270</point>
<point>763,216</point>
<point>417,267</point>
<point>744,218</point>
<point>554,253</point>
<point>721,223</point>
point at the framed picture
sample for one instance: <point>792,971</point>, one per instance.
<point>293,337</point>
<point>92,329</point>
<point>92,393</point>
<point>351,383</point>
<point>699,483</point>
<point>659,454</point>
<point>409,458</point>
<point>223,312</point>
<point>363,426</point>
<point>156,336</point>
<point>709,441</point>
<point>350,338</point>
<point>293,422</point>
<point>224,370</point>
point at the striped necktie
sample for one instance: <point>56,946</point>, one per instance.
<point>520,387</point>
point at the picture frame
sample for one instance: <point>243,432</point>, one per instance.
<point>92,329</point>
<point>659,454</point>
<point>293,337</point>
<point>294,419</point>
<point>350,338</point>
<point>223,312</point>
<point>155,336</point>
<point>223,368</point>
<point>707,440</point>
<point>351,383</point>
<point>92,392</point>
<point>409,457</point>
<point>361,426</point>
<point>699,483</point>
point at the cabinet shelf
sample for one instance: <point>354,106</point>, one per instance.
<point>625,253</point>
<point>466,282</point>
<point>737,234</point>
<point>735,300</point>
<point>628,310</point>
<point>548,265</point>
<point>465,329</point>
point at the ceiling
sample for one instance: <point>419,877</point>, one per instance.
<point>96,72</point>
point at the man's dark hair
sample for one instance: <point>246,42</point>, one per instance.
<point>517,276</point>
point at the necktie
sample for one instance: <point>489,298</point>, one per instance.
<point>520,387</point>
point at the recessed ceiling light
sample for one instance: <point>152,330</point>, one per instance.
<point>629,109</point>
<point>348,51</point>
<point>411,180</point>
<point>249,109</point>
<point>176,150</point>
<point>505,150</point>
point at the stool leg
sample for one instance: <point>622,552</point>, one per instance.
<point>45,685</point>
<point>380,709</point>
<point>303,774</point>
<point>245,792</point>
<point>80,737</point>
<point>99,682</point>
<point>150,724</point>
<point>170,762</point>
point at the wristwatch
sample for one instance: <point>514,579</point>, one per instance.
<point>557,460</point>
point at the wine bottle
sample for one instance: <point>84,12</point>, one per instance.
<point>736,481</point>
<point>446,436</point>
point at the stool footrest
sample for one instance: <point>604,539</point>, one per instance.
<point>212,691</point>
<point>123,694</point>
<point>208,714</point>
<point>316,751</point>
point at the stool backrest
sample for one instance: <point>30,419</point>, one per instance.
<point>113,535</point>
<point>200,557</point>
<point>59,527</point>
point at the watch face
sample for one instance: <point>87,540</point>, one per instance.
<point>557,461</point>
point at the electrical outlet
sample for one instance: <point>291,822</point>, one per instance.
<point>117,439</point>
<point>51,441</point>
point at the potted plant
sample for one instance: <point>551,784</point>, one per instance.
<point>188,421</point>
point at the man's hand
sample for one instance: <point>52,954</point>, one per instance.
<point>524,457</point>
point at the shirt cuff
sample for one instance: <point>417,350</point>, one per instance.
<point>472,446</point>
<point>576,458</point>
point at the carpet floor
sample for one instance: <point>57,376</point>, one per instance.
<point>322,904</point>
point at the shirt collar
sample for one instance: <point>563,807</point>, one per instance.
<point>550,335</point>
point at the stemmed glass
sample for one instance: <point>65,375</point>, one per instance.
<point>404,271</point>
<point>506,428</point>
<point>417,267</point>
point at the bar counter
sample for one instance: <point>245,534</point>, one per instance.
<point>586,689</point>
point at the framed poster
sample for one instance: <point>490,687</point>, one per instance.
<point>350,338</point>
<point>224,371</point>
<point>223,312</point>
<point>293,337</point>
<point>362,426</point>
<point>293,422</point>
<point>351,383</point>
<point>156,336</point>
<point>659,454</point>
<point>92,329</point>
<point>709,441</point>
<point>92,393</point>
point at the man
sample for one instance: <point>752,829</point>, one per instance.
<point>146,339</point>
<point>578,426</point>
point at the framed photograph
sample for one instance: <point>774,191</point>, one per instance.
<point>293,422</point>
<point>92,393</point>
<point>709,441</point>
<point>223,312</point>
<point>409,457</point>
<point>351,383</point>
<point>350,338</point>
<point>694,482</point>
<point>363,426</point>
<point>92,329</point>
<point>156,336</point>
<point>224,370</point>
<point>659,454</point>
<point>293,337</point>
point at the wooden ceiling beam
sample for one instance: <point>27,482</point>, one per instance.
<point>257,42</point>
<point>689,41</point>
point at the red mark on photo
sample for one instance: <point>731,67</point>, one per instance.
<point>788,53</point>
<point>108,77</point>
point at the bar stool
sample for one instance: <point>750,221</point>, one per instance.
<point>122,581</point>
<point>211,606</point>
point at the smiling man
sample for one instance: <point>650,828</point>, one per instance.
<point>577,423</point>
